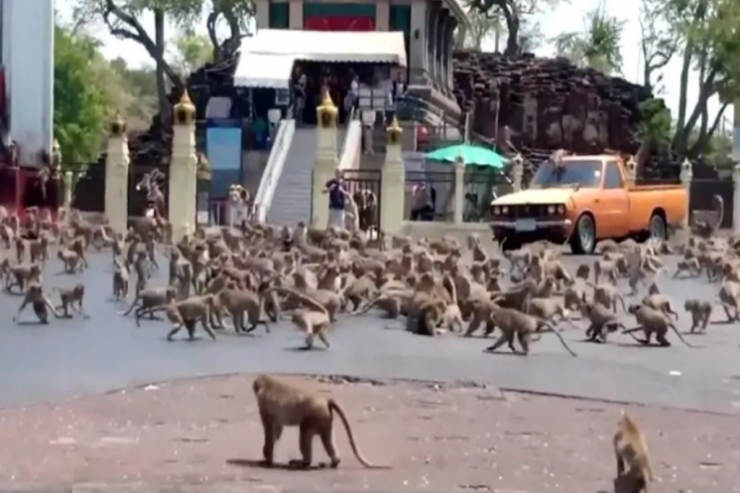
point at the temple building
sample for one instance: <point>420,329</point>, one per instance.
<point>428,29</point>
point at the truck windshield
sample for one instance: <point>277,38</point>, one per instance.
<point>585,174</point>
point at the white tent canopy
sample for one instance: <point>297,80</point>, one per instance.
<point>267,58</point>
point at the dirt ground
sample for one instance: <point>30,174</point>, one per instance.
<point>435,437</point>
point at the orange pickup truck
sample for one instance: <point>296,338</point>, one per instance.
<point>584,199</point>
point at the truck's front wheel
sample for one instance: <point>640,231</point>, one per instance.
<point>583,239</point>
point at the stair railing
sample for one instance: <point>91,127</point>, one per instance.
<point>352,142</point>
<point>274,168</point>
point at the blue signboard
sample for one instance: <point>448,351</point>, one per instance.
<point>224,150</point>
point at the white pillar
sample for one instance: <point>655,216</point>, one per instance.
<point>393,183</point>
<point>517,172</point>
<point>183,171</point>
<point>116,177</point>
<point>326,160</point>
<point>459,191</point>
<point>686,177</point>
<point>631,168</point>
<point>736,200</point>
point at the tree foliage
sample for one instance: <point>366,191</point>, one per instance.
<point>522,32</point>
<point>81,104</point>
<point>191,51</point>
<point>597,46</point>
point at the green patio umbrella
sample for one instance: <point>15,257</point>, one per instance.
<point>471,155</point>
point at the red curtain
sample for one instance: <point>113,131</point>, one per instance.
<point>339,23</point>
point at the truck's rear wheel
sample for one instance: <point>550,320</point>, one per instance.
<point>583,239</point>
<point>657,229</point>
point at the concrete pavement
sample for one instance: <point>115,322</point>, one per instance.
<point>107,352</point>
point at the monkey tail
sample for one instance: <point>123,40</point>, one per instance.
<point>550,328</point>
<point>621,300</point>
<point>312,303</point>
<point>678,334</point>
<point>451,288</point>
<point>130,308</point>
<point>335,408</point>
<point>370,304</point>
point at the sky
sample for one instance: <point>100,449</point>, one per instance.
<point>551,23</point>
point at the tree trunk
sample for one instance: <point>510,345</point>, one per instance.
<point>159,41</point>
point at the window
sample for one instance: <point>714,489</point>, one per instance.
<point>613,177</point>
<point>586,174</point>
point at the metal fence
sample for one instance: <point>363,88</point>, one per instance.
<point>482,187</point>
<point>437,203</point>
<point>364,186</point>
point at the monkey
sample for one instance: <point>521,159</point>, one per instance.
<point>701,312</point>
<point>514,323</point>
<point>705,230</point>
<point>20,250</point>
<point>70,259</point>
<point>281,404</point>
<point>120,280</point>
<point>150,298</point>
<point>38,249</point>
<point>690,265</point>
<point>631,452</point>
<point>72,298</point>
<point>151,253</point>
<point>236,302</point>
<point>660,302</point>
<point>607,295</point>
<point>516,298</point>
<point>39,301</point>
<point>602,322</point>
<point>142,270</point>
<point>729,293</point>
<point>652,321</point>
<point>583,272</point>
<point>607,268</point>
<point>547,309</point>
<point>22,275</point>
<point>79,245</point>
<point>427,317</point>
<point>518,259</point>
<point>314,321</point>
<point>191,310</point>
<point>482,314</point>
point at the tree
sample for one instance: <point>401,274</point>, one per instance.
<point>191,52</point>
<point>597,47</point>
<point>515,14</point>
<point>80,102</point>
<point>705,33</point>
<point>659,41</point>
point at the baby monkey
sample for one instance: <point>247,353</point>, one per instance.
<point>701,312</point>
<point>39,302</point>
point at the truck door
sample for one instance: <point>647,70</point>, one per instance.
<point>614,203</point>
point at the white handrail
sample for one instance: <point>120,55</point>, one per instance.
<point>274,168</point>
<point>351,145</point>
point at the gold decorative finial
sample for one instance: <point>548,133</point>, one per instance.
<point>184,110</point>
<point>117,126</point>
<point>327,111</point>
<point>394,131</point>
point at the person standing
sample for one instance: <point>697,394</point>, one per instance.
<point>299,95</point>
<point>337,200</point>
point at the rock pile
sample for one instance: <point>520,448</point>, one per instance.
<point>550,104</point>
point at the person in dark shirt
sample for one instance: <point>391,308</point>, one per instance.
<point>337,200</point>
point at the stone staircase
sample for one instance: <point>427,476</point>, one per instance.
<point>292,199</point>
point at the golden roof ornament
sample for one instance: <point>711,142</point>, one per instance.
<point>117,126</point>
<point>394,131</point>
<point>184,110</point>
<point>327,111</point>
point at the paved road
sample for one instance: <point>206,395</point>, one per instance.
<point>108,352</point>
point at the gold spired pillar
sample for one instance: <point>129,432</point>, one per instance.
<point>116,176</point>
<point>183,170</point>
<point>326,161</point>
<point>393,183</point>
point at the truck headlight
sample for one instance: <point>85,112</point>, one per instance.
<point>505,210</point>
<point>561,209</point>
<point>551,209</point>
<point>497,211</point>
